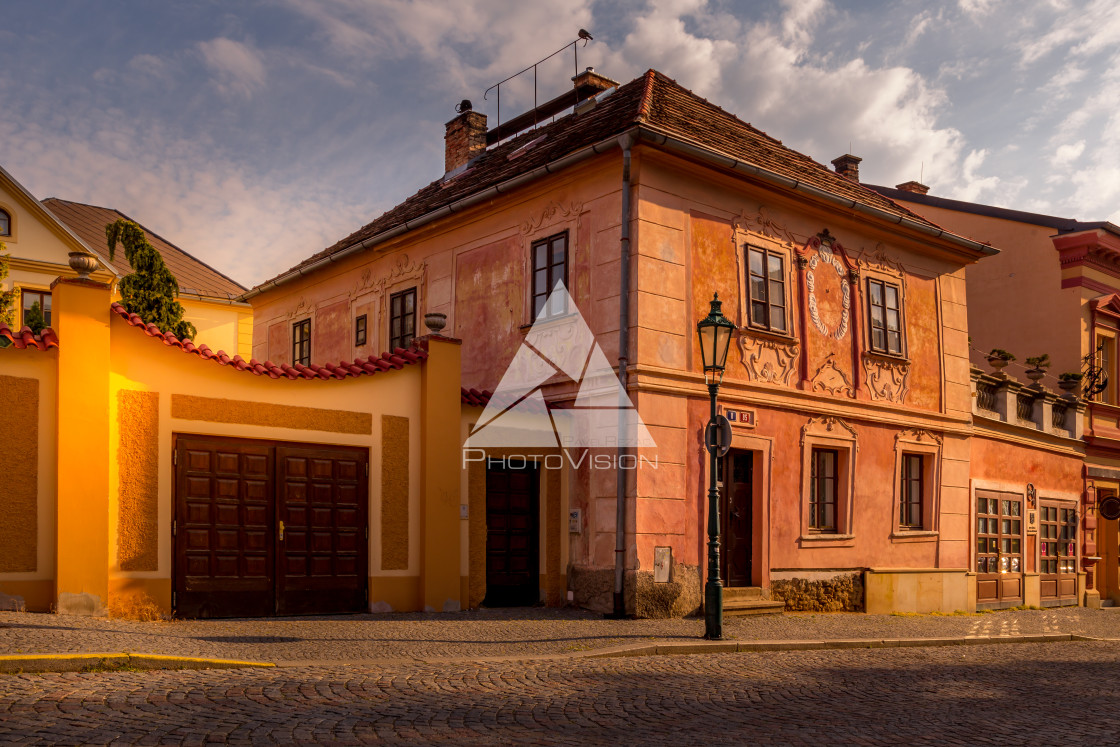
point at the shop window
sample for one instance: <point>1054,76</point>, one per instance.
<point>301,343</point>
<point>998,535</point>
<point>823,490</point>
<point>402,319</point>
<point>360,331</point>
<point>766,287</point>
<point>1057,537</point>
<point>550,266</point>
<point>911,495</point>
<point>885,312</point>
<point>35,303</point>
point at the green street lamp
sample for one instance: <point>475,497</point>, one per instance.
<point>715,340</point>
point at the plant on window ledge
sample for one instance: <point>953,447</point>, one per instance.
<point>34,319</point>
<point>150,291</point>
<point>999,358</point>
<point>1037,366</point>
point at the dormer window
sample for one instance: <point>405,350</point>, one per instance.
<point>5,224</point>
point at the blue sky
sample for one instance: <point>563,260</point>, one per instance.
<point>255,133</point>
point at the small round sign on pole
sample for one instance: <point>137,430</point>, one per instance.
<point>718,435</point>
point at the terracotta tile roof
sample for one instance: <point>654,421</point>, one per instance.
<point>653,101</point>
<point>194,275</point>
<point>26,339</point>
<point>395,360</point>
<point>476,398</point>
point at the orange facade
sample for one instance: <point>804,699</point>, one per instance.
<point>849,483</point>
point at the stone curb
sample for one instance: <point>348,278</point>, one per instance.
<point>35,663</point>
<point>727,647</point>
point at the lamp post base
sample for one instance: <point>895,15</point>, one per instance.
<point>713,611</point>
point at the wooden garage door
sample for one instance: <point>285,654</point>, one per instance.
<point>224,526</point>
<point>265,528</point>
<point>323,551</point>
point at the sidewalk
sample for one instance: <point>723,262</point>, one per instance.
<point>508,633</point>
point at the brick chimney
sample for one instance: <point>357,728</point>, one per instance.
<point>589,82</point>
<point>465,138</point>
<point>912,186</point>
<point>847,165</point>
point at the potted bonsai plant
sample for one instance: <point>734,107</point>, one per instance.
<point>1069,381</point>
<point>1037,365</point>
<point>999,358</point>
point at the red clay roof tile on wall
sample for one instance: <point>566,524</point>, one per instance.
<point>24,338</point>
<point>395,360</point>
<point>653,101</point>
<point>476,398</point>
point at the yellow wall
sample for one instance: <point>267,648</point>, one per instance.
<point>111,400</point>
<point>36,586</point>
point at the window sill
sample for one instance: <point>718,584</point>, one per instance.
<point>891,357</point>
<point>547,321</point>
<point>914,535</point>
<point>825,539</point>
<point>766,334</point>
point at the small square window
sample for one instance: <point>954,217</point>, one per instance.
<point>36,309</point>
<point>360,331</point>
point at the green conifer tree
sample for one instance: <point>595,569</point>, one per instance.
<point>7,298</point>
<point>150,290</point>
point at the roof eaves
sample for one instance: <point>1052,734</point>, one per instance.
<point>715,157</point>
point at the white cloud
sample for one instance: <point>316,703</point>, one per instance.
<point>977,8</point>
<point>238,68</point>
<point>247,225</point>
<point>1065,155</point>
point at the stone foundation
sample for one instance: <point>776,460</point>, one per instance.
<point>593,589</point>
<point>819,592</point>
<point>680,597</point>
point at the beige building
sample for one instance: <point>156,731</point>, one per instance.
<point>40,235</point>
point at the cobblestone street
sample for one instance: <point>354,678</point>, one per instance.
<point>495,632</point>
<point>1059,693</point>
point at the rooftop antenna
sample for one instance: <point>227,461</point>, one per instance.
<point>583,36</point>
<point>922,173</point>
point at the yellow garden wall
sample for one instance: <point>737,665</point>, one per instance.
<point>112,399</point>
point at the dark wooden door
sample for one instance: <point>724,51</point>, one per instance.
<point>735,513</point>
<point>512,535</point>
<point>322,546</point>
<point>224,523</point>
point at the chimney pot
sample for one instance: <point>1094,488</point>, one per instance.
<point>847,165</point>
<point>465,138</point>
<point>912,186</point>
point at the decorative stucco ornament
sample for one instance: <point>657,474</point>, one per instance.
<point>825,260</point>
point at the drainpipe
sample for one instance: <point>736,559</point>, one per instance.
<point>624,142</point>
